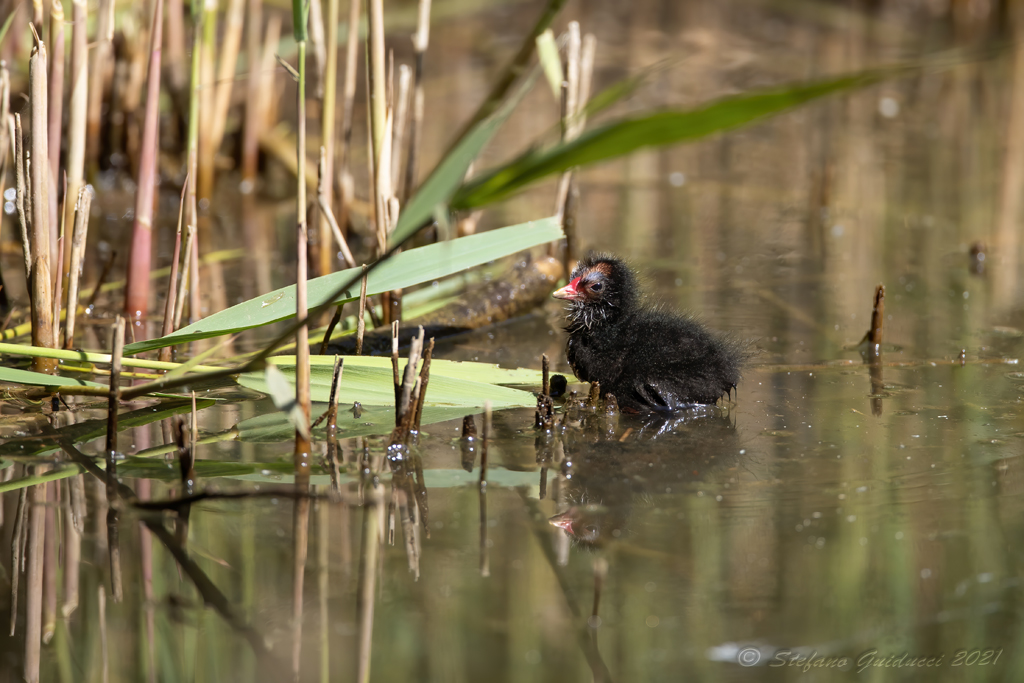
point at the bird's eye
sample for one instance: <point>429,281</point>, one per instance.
<point>596,287</point>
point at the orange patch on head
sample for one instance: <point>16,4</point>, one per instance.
<point>603,267</point>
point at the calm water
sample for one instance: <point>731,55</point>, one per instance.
<point>861,519</point>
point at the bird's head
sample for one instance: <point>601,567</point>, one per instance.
<point>601,288</point>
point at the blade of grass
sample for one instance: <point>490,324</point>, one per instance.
<point>405,270</point>
<point>659,129</point>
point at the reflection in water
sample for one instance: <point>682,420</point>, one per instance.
<point>802,519</point>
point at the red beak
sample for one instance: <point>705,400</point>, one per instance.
<point>570,292</point>
<point>562,521</point>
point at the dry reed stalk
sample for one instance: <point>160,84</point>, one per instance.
<point>361,320</point>
<point>254,86</point>
<point>420,40</point>
<point>268,71</point>
<point>57,283</point>
<point>377,94</point>
<point>186,271</point>
<point>234,20</point>
<point>37,16</point>
<point>101,54</point>
<point>23,195</point>
<point>344,178</point>
<point>324,202</point>
<point>302,370</point>
<point>570,99</point>
<point>325,189</point>
<point>34,574</point>
<point>199,18</point>
<point>317,45</point>
<point>172,285</point>
<point>74,164</point>
<point>136,302</point>
<point>55,104</point>
<point>398,134</point>
<point>208,59</point>
<point>42,296</point>
<point>175,47</point>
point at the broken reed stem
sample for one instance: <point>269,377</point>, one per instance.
<point>335,319</point>
<point>405,408</point>
<point>136,301</point>
<point>394,368</point>
<point>421,40</point>
<point>361,320</point>
<point>327,214</point>
<point>424,380</point>
<point>325,190</point>
<point>344,180</point>
<point>877,323</point>
<point>485,436</point>
<point>252,124</point>
<point>545,375</point>
<point>79,233</point>
<point>77,113</point>
<point>39,173</point>
<point>332,408</point>
<point>172,283</point>
<point>55,105</point>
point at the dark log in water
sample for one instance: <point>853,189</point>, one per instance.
<point>516,293</point>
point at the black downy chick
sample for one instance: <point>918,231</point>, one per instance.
<point>648,358</point>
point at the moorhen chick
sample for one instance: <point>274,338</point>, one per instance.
<point>649,358</point>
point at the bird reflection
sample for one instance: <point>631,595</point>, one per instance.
<point>608,472</point>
